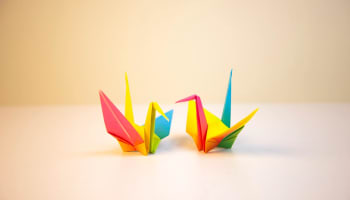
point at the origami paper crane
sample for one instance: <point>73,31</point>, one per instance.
<point>131,136</point>
<point>207,130</point>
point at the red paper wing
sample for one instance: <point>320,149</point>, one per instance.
<point>116,124</point>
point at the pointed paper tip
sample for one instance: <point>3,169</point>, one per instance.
<point>157,107</point>
<point>102,94</point>
<point>126,79</point>
<point>179,101</point>
<point>142,149</point>
<point>165,116</point>
<point>251,115</point>
<point>187,98</point>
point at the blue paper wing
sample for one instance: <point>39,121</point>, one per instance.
<point>162,126</point>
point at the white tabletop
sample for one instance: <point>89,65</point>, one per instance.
<point>287,151</point>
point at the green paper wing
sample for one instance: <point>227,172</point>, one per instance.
<point>228,141</point>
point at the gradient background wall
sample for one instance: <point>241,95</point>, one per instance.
<point>63,52</point>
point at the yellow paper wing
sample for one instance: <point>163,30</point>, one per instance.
<point>243,122</point>
<point>215,129</point>
<point>215,126</point>
<point>213,141</point>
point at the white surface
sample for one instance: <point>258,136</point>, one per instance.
<point>287,151</point>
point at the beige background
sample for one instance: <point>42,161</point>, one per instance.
<point>283,53</point>
<point>63,52</point>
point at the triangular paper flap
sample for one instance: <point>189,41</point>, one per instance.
<point>128,105</point>
<point>213,142</point>
<point>116,123</point>
<point>215,126</point>
<point>228,141</point>
<point>159,110</point>
<point>226,113</point>
<point>126,147</point>
<point>141,148</point>
<point>162,126</point>
<point>241,123</point>
<point>155,143</point>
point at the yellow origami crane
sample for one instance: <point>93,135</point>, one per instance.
<point>131,136</point>
<point>207,130</point>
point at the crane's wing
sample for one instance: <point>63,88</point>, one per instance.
<point>162,126</point>
<point>214,141</point>
<point>228,141</point>
<point>116,124</point>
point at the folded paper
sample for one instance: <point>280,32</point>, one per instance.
<point>133,137</point>
<point>207,130</point>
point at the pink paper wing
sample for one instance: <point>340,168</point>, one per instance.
<point>116,124</point>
